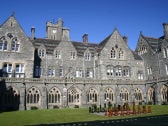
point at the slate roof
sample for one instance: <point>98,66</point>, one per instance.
<point>49,44</point>
<point>136,56</point>
<point>155,43</point>
<point>81,47</point>
<point>103,43</point>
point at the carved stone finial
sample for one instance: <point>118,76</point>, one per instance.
<point>13,13</point>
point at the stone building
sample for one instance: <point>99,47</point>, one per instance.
<point>56,72</point>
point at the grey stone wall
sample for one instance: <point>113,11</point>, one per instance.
<point>99,60</point>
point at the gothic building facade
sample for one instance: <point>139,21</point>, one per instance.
<point>58,72</point>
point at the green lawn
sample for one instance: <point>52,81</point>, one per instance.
<point>20,118</point>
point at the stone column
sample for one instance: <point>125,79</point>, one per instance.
<point>44,100</point>
<point>83,96</point>
<point>64,97</point>
<point>22,104</point>
<point>157,94</point>
<point>117,92</point>
<point>101,95</point>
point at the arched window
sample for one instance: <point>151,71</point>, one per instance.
<point>113,53</point>
<point>138,94</point>
<point>54,96</point>
<point>33,96</point>
<point>15,47</point>
<point>92,95</point>
<point>164,93</point>
<point>41,53</point>
<point>124,94</point>
<point>3,44</point>
<point>109,95</point>
<point>151,94</point>
<point>74,96</point>
<point>11,96</point>
<point>121,54</point>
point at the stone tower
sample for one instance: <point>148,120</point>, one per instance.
<point>57,31</point>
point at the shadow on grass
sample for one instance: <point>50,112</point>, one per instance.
<point>161,120</point>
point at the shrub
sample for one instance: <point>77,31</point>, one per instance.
<point>76,106</point>
<point>94,106</point>
<point>55,107</point>
<point>149,103</point>
<point>34,108</point>
<point>140,103</point>
<point>109,105</point>
<point>98,110</point>
<point>164,103</point>
<point>90,109</point>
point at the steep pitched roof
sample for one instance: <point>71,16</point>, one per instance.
<point>11,19</point>
<point>49,44</point>
<point>154,43</point>
<point>81,47</point>
<point>136,56</point>
<point>103,43</point>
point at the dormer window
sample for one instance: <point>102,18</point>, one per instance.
<point>165,52</point>
<point>87,56</point>
<point>142,49</point>
<point>15,45</point>
<point>58,54</point>
<point>73,55</point>
<point>41,53</point>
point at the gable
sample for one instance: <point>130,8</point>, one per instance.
<point>11,29</point>
<point>146,44</point>
<point>82,47</point>
<point>115,42</point>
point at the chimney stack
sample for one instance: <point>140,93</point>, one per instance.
<point>165,28</point>
<point>32,32</point>
<point>85,38</point>
<point>125,38</point>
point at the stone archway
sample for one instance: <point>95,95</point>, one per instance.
<point>151,95</point>
<point>164,94</point>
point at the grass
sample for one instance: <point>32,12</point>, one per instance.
<point>20,118</point>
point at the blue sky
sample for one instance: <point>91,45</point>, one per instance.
<point>98,18</point>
